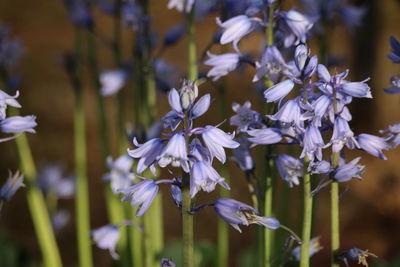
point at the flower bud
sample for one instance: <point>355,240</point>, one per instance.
<point>188,94</point>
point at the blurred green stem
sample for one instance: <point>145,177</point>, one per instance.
<point>114,207</point>
<point>82,192</point>
<point>37,206</point>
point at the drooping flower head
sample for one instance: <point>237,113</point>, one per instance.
<point>237,213</point>
<point>13,183</point>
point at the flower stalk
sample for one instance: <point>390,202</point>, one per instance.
<point>82,192</point>
<point>37,206</point>
<point>307,217</point>
<point>114,208</point>
<point>269,164</point>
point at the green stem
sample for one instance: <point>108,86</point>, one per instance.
<point>223,234</point>
<point>187,223</point>
<point>335,219</point>
<point>307,217</point>
<point>37,206</point>
<point>269,170</point>
<point>268,196</point>
<point>187,217</point>
<point>82,192</point>
<point>192,57</point>
<point>114,208</point>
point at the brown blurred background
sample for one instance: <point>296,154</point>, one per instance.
<point>370,210</point>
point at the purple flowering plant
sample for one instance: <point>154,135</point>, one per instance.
<point>299,137</point>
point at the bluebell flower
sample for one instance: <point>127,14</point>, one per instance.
<point>51,180</point>
<point>327,10</point>
<point>393,135</point>
<point>342,135</point>
<point>306,65</point>
<point>320,108</point>
<point>236,28</point>
<point>289,113</point>
<point>176,191</point>
<point>235,213</point>
<point>394,56</point>
<point>106,237</point>
<point>147,153</point>
<point>198,151</point>
<point>242,155</point>
<point>278,91</point>
<point>60,219</point>
<point>181,5</point>
<point>318,167</point>
<point>290,169</point>
<point>265,136</point>
<point>373,145</point>
<point>141,195</point>
<point>13,183</point>
<point>346,171</point>
<point>132,15</point>
<point>294,26</point>
<point>245,117</point>
<point>175,153</point>
<point>395,89</point>
<point>215,140</point>
<point>78,13</point>
<point>188,94</point>
<point>201,106</point>
<point>222,64</point>
<point>315,246</point>
<point>112,81</point>
<point>312,144</point>
<point>10,50</point>
<point>7,100</point>
<point>356,254</point>
<point>272,64</point>
<point>357,89</point>
<point>166,75</point>
<point>120,175</point>
<point>18,124</point>
<point>352,16</point>
<point>167,263</point>
<point>174,34</point>
<point>204,177</point>
<point>344,89</point>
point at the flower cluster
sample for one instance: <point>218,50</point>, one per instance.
<point>193,150</point>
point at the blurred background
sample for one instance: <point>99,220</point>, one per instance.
<point>370,209</point>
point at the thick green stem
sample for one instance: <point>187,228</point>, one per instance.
<point>268,196</point>
<point>335,230</point>
<point>223,233</point>
<point>187,223</point>
<point>37,206</point>
<point>269,170</point>
<point>307,217</point>
<point>335,219</point>
<point>114,207</point>
<point>187,217</point>
<point>82,192</point>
